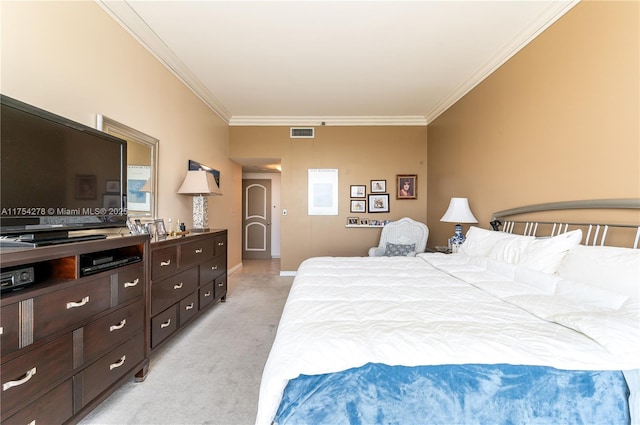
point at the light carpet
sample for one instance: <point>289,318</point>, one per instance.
<point>210,372</point>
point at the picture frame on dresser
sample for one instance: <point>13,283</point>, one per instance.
<point>160,229</point>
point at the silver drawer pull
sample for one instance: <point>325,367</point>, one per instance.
<point>207,294</point>
<point>165,263</point>
<point>178,286</point>
<point>20,381</point>
<point>118,363</point>
<point>214,267</point>
<point>220,243</point>
<point>118,326</point>
<point>1,330</point>
<point>130,284</point>
<point>199,251</point>
<point>165,324</point>
<point>80,303</point>
<point>221,284</point>
<point>189,307</point>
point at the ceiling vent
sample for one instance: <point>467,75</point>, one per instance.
<point>302,133</point>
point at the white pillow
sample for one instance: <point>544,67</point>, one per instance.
<point>612,268</point>
<point>479,241</point>
<point>546,254</point>
<point>510,250</point>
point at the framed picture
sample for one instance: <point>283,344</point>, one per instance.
<point>111,201</point>
<point>378,186</point>
<point>406,186</point>
<point>86,186</point>
<point>364,221</point>
<point>161,231</point>
<point>352,220</point>
<point>112,186</point>
<point>379,203</point>
<point>358,191</point>
<point>358,206</point>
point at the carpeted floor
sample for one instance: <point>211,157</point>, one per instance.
<point>210,372</point>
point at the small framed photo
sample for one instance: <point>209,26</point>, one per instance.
<point>161,231</point>
<point>364,221</point>
<point>379,203</point>
<point>358,191</point>
<point>378,186</point>
<point>86,187</point>
<point>406,186</point>
<point>358,206</point>
<point>111,201</point>
<point>112,186</point>
<point>352,220</point>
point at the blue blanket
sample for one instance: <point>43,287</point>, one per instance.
<point>456,394</point>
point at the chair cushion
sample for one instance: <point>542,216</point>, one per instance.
<point>397,250</point>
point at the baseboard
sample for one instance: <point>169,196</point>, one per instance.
<point>235,268</point>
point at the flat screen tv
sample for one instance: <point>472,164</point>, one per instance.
<point>57,176</point>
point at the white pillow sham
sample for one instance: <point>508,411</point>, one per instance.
<point>546,254</point>
<point>541,254</point>
<point>479,241</point>
<point>612,268</point>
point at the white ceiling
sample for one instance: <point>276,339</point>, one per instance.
<point>338,62</point>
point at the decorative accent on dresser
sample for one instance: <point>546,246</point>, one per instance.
<point>76,332</point>
<point>188,274</point>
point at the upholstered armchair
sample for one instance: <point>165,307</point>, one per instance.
<point>401,235</point>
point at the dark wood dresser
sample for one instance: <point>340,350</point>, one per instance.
<point>76,333</point>
<point>188,275</point>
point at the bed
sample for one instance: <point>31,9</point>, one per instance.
<point>513,329</point>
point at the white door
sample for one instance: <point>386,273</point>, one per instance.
<point>256,219</point>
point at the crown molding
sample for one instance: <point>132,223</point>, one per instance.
<point>536,26</point>
<point>124,14</point>
<point>312,121</point>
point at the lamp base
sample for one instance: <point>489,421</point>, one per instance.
<point>456,241</point>
<point>200,214</point>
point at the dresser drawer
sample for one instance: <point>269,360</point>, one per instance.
<point>61,309</point>
<point>220,245</point>
<point>55,407</point>
<point>9,328</point>
<point>112,330</point>
<point>164,262</point>
<point>212,269</point>
<point>113,366</point>
<point>173,289</point>
<point>163,325</point>
<point>220,287</point>
<point>27,375</point>
<point>130,284</point>
<point>188,308</point>
<point>195,252</point>
<point>206,295</point>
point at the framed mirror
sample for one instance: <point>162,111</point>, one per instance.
<point>142,167</point>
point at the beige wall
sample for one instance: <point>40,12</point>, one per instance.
<point>360,154</point>
<point>72,59</point>
<point>559,121</point>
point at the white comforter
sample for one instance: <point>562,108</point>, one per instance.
<point>440,309</point>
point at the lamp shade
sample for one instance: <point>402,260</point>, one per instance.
<point>459,212</point>
<point>146,187</point>
<point>199,182</point>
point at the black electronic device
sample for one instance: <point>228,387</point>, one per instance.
<point>90,264</point>
<point>17,278</point>
<point>55,173</point>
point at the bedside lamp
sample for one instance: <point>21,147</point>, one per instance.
<point>200,184</point>
<point>458,212</point>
